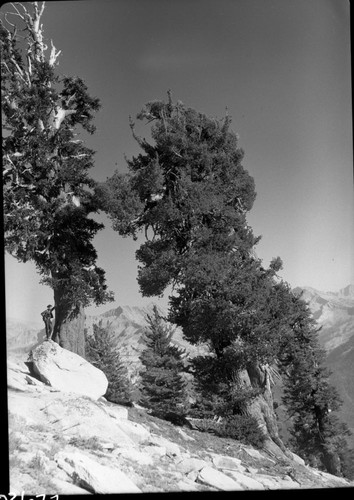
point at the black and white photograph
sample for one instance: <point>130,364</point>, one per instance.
<point>178,228</point>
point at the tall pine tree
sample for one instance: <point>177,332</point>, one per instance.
<point>162,386</point>
<point>101,351</point>
<point>48,195</point>
<point>191,194</point>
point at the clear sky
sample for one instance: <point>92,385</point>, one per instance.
<point>280,67</point>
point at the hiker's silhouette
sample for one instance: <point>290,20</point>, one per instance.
<point>47,316</point>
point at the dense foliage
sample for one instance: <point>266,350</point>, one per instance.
<point>102,352</point>
<point>242,428</point>
<point>47,192</point>
<point>190,194</point>
<point>162,386</point>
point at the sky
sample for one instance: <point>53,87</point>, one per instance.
<point>282,70</point>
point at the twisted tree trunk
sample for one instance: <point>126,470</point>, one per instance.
<point>261,406</point>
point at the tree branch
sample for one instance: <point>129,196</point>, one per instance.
<point>58,116</point>
<point>53,54</point>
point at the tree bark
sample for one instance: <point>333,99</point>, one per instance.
<point>261,407</point>
<point>69,326</point>
<point>332,462</point>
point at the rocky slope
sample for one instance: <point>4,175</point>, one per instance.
<point>334,312</point>
<point>71,443</point>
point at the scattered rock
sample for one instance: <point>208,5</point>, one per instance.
<point>64,465</point>
<point>298,459</point>
<point>330,480</point>
<point>97,478</point>
<point>33,381</point>
<point>185,435</point>
<point>287,484</point>
<point>73,415</point>
<point>247,482</point>
<point>251,470</point>
<point>107,445</point>
<point>18,380</point>
<point>155,450</point>
<point>268,482</point>
<point>188,485</point>
<point>67,488</point>
<point>119,412</point>
<point>20,482</point>
<point>136,432</point>
<point>15,382</point>
<point>67,371</point>
<point>140,457</point>
<point>172,449</point>
<point>62,475</point>
<point>246,452</point>
<point>23,447</point>
<point>17,366</point>
<point>19,436</point>
<point>191,464</point>
<point>216,479</point>
<point>226,462</point>
<point>192,475</point>
<point>272,482</point>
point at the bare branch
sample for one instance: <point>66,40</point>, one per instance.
<point>81,155</point>
<point>29,62</point>
<point>17,13</point>
<point>53,55</point>
<point>41,9</point>
<point>6,66</point>
<point>142,142</point>
<point>13,25</point>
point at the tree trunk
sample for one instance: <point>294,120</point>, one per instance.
<point>69,325</point>
<point>332,462</point>
<point>261,407</point>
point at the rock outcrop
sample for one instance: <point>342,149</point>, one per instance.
<point>67,443</point>
<point>94,477</point>
<point>67,371</point>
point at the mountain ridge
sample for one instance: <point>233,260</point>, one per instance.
<point>334,313</point>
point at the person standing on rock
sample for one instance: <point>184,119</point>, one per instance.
<point>47,318</point>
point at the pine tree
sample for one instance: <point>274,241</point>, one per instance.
<point>162,387</point>
<point>102,352</point>
<point>48,195</point>
<point>191,194</point>
<point>318,435</point>
<point>188,191</point>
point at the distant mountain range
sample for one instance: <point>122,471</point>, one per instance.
<point>128,324</point>
<point>334,312</point>
<point>22,336</point>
